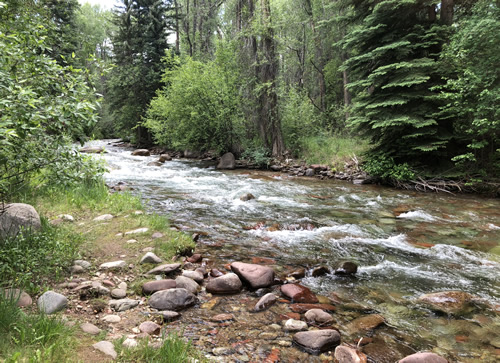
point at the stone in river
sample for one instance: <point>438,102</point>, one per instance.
<point>318,316</point>
<point>51,302</point>
<point>141,152</point>
<point>164,269</point>
<point>423,358</point>
<point>222,317</point>
<point>347,268</point>
<point>265,302</point>
<point>302,308</point>
<point>196,258</point>
<point>226,284</point>
<point>227,161</point>
<point>194,275</point>
<point>172,299</point>
<point>364,323</point>
<point>320,271</point>
<point>123,304</point>
<point>298,274</point>
<point>107,348</point>
<point>151,287</point>
<point>345,354</point>
<point>246,197</point>
<point>255,275</point>
<point>190,285</point>
<point>299,293</point>
<point>295,325</point>
<point>448,302</point>
<point>317,341</point>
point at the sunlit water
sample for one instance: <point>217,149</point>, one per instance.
<point>405,243</point>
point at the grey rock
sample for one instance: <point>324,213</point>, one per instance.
<point>169,315</point>
<point>222,351</point>
<point>51,302</point>
<point>150,257</point>
<point>255,275</point>
<point>122,285</point>
<point>309,172</point>
<point>118,293</point>
<point>90,329</point>
<point>227,161</point>
<point>151,287</point>
<point>164,269</point>
<point>294,325</point>
<point>106,348</point>
<point>141,152</point>
<point>17,216</point>
<point>111,319</point>
<point>345,354</point>
<point>172,299</point>
<point>318,316</point>
<point>265,302</point>
<point>226,284</point>
<point>82,263</point>
<point>317,341</point>
<point>184,282</point>
<point>92,150</point>
<point>137,231</point>
<point>77,269</point>
<point>23,299</point>
<point>104,217</point>
<point>123,304</point>
<point>195,275</point>
<point>114,265</point>
<point>424,357</point>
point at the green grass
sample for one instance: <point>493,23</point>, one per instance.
<point>173,350</point>
<point>32,337</point>
<point>334,151</point>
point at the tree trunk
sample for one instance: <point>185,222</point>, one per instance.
<point>177,30</point>
<point>447,11</point>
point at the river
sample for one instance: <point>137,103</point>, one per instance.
<point>405,243</point>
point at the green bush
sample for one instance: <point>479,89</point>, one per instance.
<point>384,167</point>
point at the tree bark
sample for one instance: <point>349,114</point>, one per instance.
<point>447,11</point>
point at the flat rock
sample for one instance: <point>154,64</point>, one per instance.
<point>118,293</point>
<point>82,263</point>
<point>345,354</point>
<point>150,257</point>
<point>318,316</point>
<point>168,315</point>
<point>106,348</point>
<point>299,293</point>
<point>92,150</point>
<point>294,325</point>
<point>157,235</point>
<point>364,323</point>
<point>194,275</point>
<point>255,275</point>
<point>123,304</point>
<point>172,299</point>
<point>104,217</point>
<point>221,318</point>
<point>190,285</point>
<point>141,152</point>
<point>226,284</point>
<point>23,299</point>
<point>51,302</point>
<point>111,319</point>
<point>90,329</point>
<point>317,341</point>
<point>448,302</point>
<point>265,302</point>
<point>302,308</point>
<point>150,327</point>
<point>347,268</point>
<point>423,358</point>
<point>137,231</point>
<point>114,265</point>
<point>151,287</point>
<point>17,216</point>
<point>164,269</point>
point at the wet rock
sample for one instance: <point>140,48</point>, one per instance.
<point>123,304</point>
<point>227,161</point>
<point>317,341</point>
<point>295,325</point>
<point>226,284</point>
<point>215,273</point>
<point>164,157</point>
<point>90,329</point>
<point>118,293</point>
<point>141,152</point>
<point>318,316</point>
<point>347,268</point>
<point>246,197</point>
<point>423,358</point>
<point>299,293</point>
<point>194,275</point>
<point>448,302</point>
<point>111,319</point>
<point>265,302</point>
<point>345,354</point>
<point>298,274</point>
<point>164,269</point>
<point>106,348</point>
<point>190,285</point>
<point>23,299</point>
<point>137,231</point>
<point>150,327</point>
<point>151,287</point>
<point>364,323</point>
<point>221,318</point>
<point>255,275</point>
<point>150,257</point>
<point>196,258</point>
<point>104,217</point>
<point>92,150</point>
<point>155,163</point>
<point>82,263</point>
<point>309,172</point>
<point>302,308</point>
<point>114,265</point>
<point>172,299</point>
<point>51,302</point>
<point>320,271</point>
<point>276,167</point>
<point>16,217</point>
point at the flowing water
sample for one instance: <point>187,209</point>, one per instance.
<point>406,244</point>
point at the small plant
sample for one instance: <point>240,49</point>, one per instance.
<point>386,168</point>
<point>258,155</point>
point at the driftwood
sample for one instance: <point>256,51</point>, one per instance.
<point>449,186</point>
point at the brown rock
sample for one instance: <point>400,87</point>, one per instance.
<point>320,271</point>
<point>299,293</point>
<point>90,328</point>
<point>151,287</point>
<point>255,275</point>
<point>423,358</point>
<point>164,157</point>
<point>347,268</point>
<point>141,152</point>
<point>448,302</point>
<point>226,284</point>
<point>222,317</point>
<point>298,274</point>
<point>317,341</point>
<point>364,323</point>
<point>265,302</point>
<point>344,354</point>
<point>196,258</point>
<point>150,328</point>
<point>302,308</point>
<point>23,299</point>
<point>215,273</point>
<point>318,316</point>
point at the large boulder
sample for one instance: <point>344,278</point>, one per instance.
<point>51,302</point>
<point>17,216</point>
<point>226,284</point>
<point>172,299</point>
<point>423,358</point>
<point>92,150</point>
<point>256,276</point>
<point>227,161</point>
<point>317,341</point>
<point>448,302</point>
<point>141,152</point>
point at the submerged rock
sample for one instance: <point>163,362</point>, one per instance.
<point>318,316</point>
<point>345,354</point>
<point>255,275</point>
<point>365,323</point>
<point>423,358</point>
<point>299,293</point>
<point>226,284</point>
<point>265,302</point>
<point>317,341</point>
<point>347,268</point>
<point>448,302</point>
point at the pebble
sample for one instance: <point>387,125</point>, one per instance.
<point>90,328</point>
<point>106,348</point>
<point>295,325</point>
<point>111,319</point>
<point>114,265</point>
<point>150,257</point>
<point>118,293</point>
<point>137,231</point>
<point>104,217</point>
